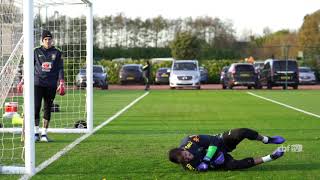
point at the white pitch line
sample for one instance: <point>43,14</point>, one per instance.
<point>285,105</point>
<point>80,139</point>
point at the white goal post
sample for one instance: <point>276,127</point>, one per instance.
<point>28,40</point>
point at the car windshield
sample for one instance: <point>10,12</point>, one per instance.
<point>185,66</point>
<point>305,70</point>
<point>281,65</point>
<point>131,68</point>
<point>225,69</point>
<point>258,65</point>
<point>97,69</point>
<point>163,70</point>
<point>244,68</point>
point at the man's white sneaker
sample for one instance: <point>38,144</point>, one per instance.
<point>44,138</point>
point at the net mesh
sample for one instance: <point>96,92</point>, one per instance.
<point>11,50</point>
<point>69,31</point>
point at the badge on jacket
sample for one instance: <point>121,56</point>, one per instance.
<point>46,66</point>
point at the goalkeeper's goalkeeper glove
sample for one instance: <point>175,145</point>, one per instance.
<point>202,167</point>
<point>61,88</point>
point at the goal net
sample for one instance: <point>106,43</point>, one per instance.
<point>70,22</point>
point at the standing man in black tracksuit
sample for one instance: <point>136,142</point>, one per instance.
<point>147,75</point>
<point>48,70</point>
<point>206,152</point>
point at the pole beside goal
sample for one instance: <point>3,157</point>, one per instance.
<point>28,68</point>
<point>89,66</point>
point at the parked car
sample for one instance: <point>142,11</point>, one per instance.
<point>241,74</point>
<point>280,73</point>
<point>100,77</point>
<point>307,76</point>
<point>131,73</point>
<point>185,73</point>
<point>162,76</point>
<point>204,76</point>
<point>223,76</point>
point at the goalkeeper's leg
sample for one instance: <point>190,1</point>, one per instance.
<point>232,164</point>
<point>233,137</point>
<point>48,102</point>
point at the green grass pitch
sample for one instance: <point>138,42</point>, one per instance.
<point>135,145</point>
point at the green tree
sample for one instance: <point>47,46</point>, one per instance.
<point>185,46</point>
<point>309,34</point>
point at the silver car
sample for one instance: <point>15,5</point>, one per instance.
<point>306,76</point>
<point>100,77</point>
<point>185,73</point>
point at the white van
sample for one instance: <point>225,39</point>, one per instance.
<point>185,73</point>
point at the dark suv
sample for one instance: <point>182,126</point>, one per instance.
<point>241,74</point>
<point>280,73</point>
<point>131,73</point>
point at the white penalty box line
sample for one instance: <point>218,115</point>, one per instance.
<point>285,105</point>
<point>80,139</point>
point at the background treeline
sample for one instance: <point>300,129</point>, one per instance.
<point>123,37</point>
<point>120,36</point>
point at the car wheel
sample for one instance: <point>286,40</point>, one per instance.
<point>284,87</point>
<point>249,87</point>
<point>105,87</point>
<point>224,86</point>
<point>172,88</point>
<point>295,87</point>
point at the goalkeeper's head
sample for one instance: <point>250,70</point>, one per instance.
<point>180,156</point>
<point>46,38</point>
<point>46,33</point>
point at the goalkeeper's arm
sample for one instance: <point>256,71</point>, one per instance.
<point>204,165</point>
<point>210,152</point>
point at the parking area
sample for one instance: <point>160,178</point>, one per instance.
<point>204,87</point>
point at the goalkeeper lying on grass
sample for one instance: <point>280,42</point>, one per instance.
<point>205,152</point>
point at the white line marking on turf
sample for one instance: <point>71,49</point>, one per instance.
<point>285,105</point>
<point>77,141</point>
